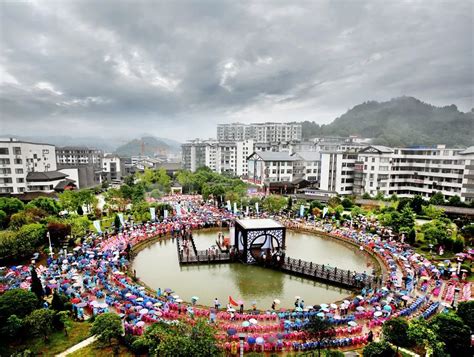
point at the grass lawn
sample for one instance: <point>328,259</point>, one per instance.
<point>57,343</point>
<point>96,350</point>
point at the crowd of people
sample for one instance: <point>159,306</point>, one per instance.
<point>94,276</point>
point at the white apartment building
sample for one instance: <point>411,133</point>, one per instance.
<point>232,157</point>
<point>199,153</point>
<point>337,171</point>
<point>78,156</point>
<point>308,165</point>
<point>269,166</point>
<point>27,166</point>
<point>112,167</point>
<point>260,132</point>
<point>416,171</point>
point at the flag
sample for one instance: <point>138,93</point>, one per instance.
<point>232,302</point>
<point>178,209</point>
<point>247,210</point>
<point>153,213</point>
<point>122,223</point>
<point>235,208</point>
<point>165,213</point>
<point>229,207</point>
<point>301,210</point>
<point>325,210</point>
<point>97,226</point>
<point>256,207</point>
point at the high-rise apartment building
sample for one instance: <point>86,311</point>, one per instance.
<point>260,132</point>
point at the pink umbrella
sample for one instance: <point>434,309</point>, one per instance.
<point>140,323</point>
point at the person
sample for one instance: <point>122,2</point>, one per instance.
<point>370,336</point>
<point>158,292</point>
<point>273,305</point>
<point>241,308</point>
<point>297,303</point>
<point>302,304</point>
<point>216,304</point>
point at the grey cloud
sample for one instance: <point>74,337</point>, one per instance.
<point>177,68</point>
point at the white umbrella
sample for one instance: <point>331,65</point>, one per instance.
<point>378,313</point>
<point>333,306</point>
<point>352,323</point>
<point>324,306</point>
<point>276,301</point>
<point>179,300</point>
<point>253,321</point>
<point>360,308</point>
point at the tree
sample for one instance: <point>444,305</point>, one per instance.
<point>36,286</point>
<point>334,201</point>
<point>58,231</point>
<point>13,327</point>
<point>181,340</point>
<point>396,332</point>
<point>466,313</point>
<point>107,326</point>
<point>417,203</point>
<point>40,322</point>
<point>79,226</point>
<point>424,337</point>
<point>274,203</point>
<point>57,303</point>
<point>321,329</point>
<point>378,349</point>
<point>117,222</point>
<point>437,199</point>
<point>455,201</point>
<point>3,219</point>
<point>46,204</point>
<point>65,320</point>
<point>347,203</point>
<point>366,196</point>
<point>453,332</point>
<point>432,212</point>
<point>11,205</point>
<point>379,196</point>
<point>17,302</point>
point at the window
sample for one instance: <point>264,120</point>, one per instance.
<point>20,180</point>
<point>4,161</point>
<point>16,151</point>
<point>18,171</point>
<point>18,161</point>
<point>6,180</point>
<point>3,151</point>
<point>6,170</point>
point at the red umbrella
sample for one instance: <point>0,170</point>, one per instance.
<point>76,300</point>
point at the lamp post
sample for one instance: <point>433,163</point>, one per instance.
<point>242,336</point>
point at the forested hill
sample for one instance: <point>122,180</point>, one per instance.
<point>400,122</point>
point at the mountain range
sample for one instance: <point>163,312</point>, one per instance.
<point>149,146</point>
<point>403,121</point>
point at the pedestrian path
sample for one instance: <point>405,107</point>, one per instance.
<point>80,345</point>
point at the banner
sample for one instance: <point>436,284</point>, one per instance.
<point>247,210</point>
<point>232,301</point>
<point>178,210</point>
<point>120,215</point>
<point>235,208</point>
<point>256,207</point>
<point>325,210</point>
<point>165,213</point>
<point>153,213</point>
<point>301,210</point>
<point>229,207</point>
<point>97,226</point>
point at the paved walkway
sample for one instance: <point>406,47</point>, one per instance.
<point>80,345</point>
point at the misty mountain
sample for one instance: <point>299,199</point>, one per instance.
<point>401,121</point>
<point>149,146</point>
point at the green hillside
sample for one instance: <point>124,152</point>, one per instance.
<point>400,122</point>
<point>149,145</point>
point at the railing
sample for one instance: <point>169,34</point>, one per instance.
<point>204,257</point>
<point>333,275</point>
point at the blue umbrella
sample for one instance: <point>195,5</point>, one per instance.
<point>251,340</point>
<point>231,331</point>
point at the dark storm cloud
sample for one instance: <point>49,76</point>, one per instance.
<point>177,68</point>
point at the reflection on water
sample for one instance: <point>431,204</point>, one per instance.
<point>158,266</point>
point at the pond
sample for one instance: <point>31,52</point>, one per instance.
<point>157,266</point>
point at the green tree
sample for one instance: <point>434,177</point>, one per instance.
<point>366,196</point>
<point>17,302</point>
<point>424,337</point>
<point>334,201</point>
<point>347,203</point>
<point>379,196</point>
<point>57,303</point>
<point>417,203</point>
<point>117,223</point>
<point>396,332</point>
<point>321,329</point>
<point>3,219</point>
<point>40,322</point>
<point>433,212</point>
<point>36,286</point>
<point>11,205</point>
<point>46,204</point>
<point>466,313</point>
<point>455,201</point>
<point>453,332</point>
<point>79,226</point>
<point>274,203</point>
<point>437,199</point>
<point>13,327</point>
<point>65,321</point>
<point>378,349</point>
<point>107,326</point>
<point>70,200</point>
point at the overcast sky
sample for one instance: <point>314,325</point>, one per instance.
<point>176,69</point>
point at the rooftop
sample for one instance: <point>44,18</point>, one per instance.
<point>275,156</point>
<point>259,223</point>
<point>45,176</point>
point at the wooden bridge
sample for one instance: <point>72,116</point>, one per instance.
<point>309,270</point>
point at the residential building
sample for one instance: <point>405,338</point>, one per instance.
<point>112,168</point>
<point>199,153</point>
<point>308,165</point>
<point>260,132</point>
<point>81,163</point>
<point>268,166</point>
<point>232,157</point>
<point>416,171</point>
<point>27,166</point>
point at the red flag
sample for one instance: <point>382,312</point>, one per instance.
<point>232,302</point>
